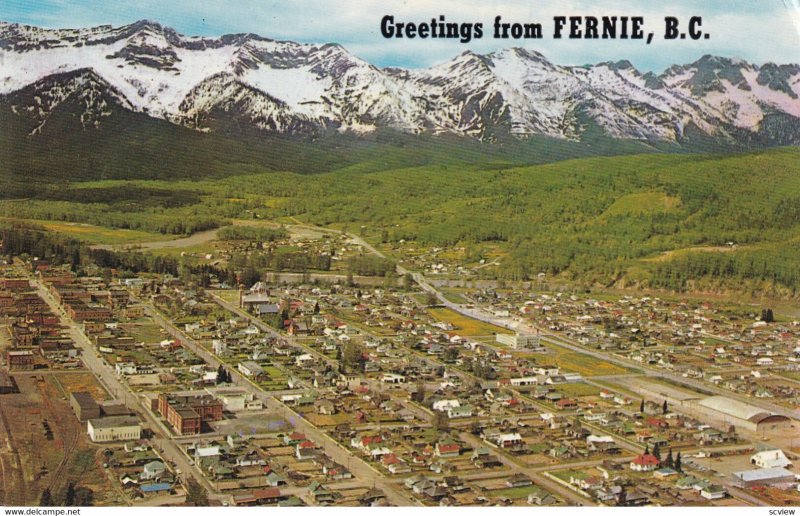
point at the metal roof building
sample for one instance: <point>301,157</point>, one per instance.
<point>744,415</point>
<point>769,476</point>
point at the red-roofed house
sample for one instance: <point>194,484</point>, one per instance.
<point>645,462</point>
<point>447,450</point>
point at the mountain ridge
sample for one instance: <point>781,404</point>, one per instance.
<point>310,89</point>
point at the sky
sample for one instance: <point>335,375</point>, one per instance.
<point>756,30</point>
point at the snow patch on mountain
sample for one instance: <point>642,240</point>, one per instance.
<point>284,86</point>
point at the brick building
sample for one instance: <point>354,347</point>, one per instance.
<point>189,414</point>
<point>19,359</point>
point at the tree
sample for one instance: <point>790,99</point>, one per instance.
<point>195,494</point>
<point>647,449</point>
<point>249,277</point>
<point>670,459</point>
<point>352,358</point>
<point>664,407</point>
<point>220,374</point>
<point>441,423</point>
<point>46,500</point>
<point>450,354</point>
<point>69,497</point>
<point>622,498</point>
<point>657,452</point>
<point>419,395</point>
<point>316,307</point>
<point>84,497</point>
<point>408,281</point>
<point>678,463</point>
<point>432,300</point>
<point>641,406</point>
<point>75,259</point>
<point>767,315</point>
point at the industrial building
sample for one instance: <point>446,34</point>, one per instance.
<point>745,416</point>
<point>518,341</point>
<point>764,477</point>
<point>108,429</point>
<point>84,406</point>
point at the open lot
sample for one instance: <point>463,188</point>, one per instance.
<point>253,423</point>
<point>580,363</point>
<point>464,325</point>
<point>82,382</point>
<point>33,460</point>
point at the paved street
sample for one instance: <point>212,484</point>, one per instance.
<point>120,391</point>
<point>357,466</point>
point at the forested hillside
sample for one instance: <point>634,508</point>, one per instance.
<point>668,221</point>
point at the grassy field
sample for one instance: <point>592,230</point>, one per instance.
<point>147,333</point>
<point>576,390</point>
<point>231,296</point>
<point>454,295</point>
<point>792,375</point>
<point>464,325</point>
<point>580,363</point>
<point>82,382</point>
<point>646,203</point>
<point>92,234</point>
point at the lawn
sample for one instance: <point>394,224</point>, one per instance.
<point>465,326</point>
<point>231,296</point>
<point>454,296</point>
<point>147,333</point>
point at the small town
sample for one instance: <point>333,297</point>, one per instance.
<point>388,390</point>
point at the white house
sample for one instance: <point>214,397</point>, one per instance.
<point>203,451</point>
<point>445,405</point>
<point>457,412</point>
<point>304,360</point>
<point>771,459</point>
<point>509,440</point>
<point>219,347</point>
<point>600,442</point>
<point>251,369</point>
<point>393,378</point>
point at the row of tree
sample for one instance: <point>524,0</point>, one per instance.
<point>71,496</point>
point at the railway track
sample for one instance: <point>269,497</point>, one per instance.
<point>14,484</point>
<point>69,439</point>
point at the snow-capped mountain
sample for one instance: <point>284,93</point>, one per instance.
<point>293,88</point>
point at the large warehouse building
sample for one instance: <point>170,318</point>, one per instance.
<point>118,428</point>
<point>746,416</point>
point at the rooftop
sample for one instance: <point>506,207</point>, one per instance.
<point>763,474</point>
<point>114,421</point>
<point>735,408</point>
